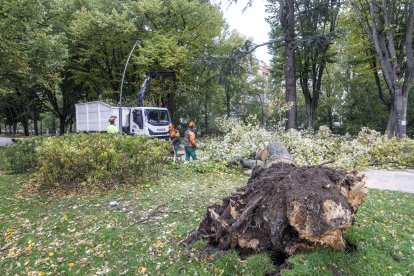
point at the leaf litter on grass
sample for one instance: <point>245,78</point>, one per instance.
<point>81,234</point>
<point>84,235</point>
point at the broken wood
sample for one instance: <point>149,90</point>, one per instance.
<point>217,218</point>
<point>245,213</point>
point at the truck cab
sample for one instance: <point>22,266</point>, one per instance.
<point>152,121</point>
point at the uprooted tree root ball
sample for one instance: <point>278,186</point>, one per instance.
<point>286,208</point>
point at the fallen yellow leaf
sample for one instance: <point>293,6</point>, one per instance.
<point>9,233</point>
<point>159,244</point>
<point>64,217</point>
<point>30,246</point>
<point>12,251</point>
<point>142,270</point>
<point>71,264</point>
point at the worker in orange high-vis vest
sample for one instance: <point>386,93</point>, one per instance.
<point>190,143</point>
<point>174,137</point>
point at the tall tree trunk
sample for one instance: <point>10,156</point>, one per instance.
<point>369,104</point>
<point>171,105</point>
<point>34,117</point>
<point>391,123</point>
<point>25,123</point>
<point>397,66</point>
<point>62,124</point>
<point>206,114</point>
<point>53,126</point>
<point>262,103</point>
<point>400,108</point>
<point>308,101</point>
<point>36,127</point>
<point>373,65</point>
<point>330,118</point>
<point>311,97</point>
<point>290,69</point>
<point>228,107</point>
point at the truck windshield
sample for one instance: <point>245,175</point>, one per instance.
<point>157,117</point>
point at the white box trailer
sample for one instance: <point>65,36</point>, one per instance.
<point>93,116</point>
<point>152,121</point>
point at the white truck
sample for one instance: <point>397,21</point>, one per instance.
<point>152,121</point>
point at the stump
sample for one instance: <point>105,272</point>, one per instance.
<point>275,152</point>
<point>286,208</point>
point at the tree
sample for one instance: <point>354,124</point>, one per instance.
<point>287,21</point>
<point>283,19</point>
<point>100,41</point>
<point>356,79</point>
<point>222,74</point>
<point>176,34</point>
<point>389,25</point>
<point>316,27</point>
<point>19,28</point>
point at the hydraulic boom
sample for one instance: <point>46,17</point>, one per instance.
<point>147,81</point>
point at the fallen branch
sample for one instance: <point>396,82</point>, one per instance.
<point>151,214</point>
<point>326,163</point>
<point>245,213</point>
<point>217,218</point>
<point>6,246</point>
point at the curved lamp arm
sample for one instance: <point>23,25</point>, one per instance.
<point>139,41</point>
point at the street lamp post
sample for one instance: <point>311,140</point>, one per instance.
<point>139,41</point>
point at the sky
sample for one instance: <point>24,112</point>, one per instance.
<point>251,23</point>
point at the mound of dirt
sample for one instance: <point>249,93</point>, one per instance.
<point>286,208</point>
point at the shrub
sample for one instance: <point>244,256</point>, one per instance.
<point>22,156</point>
<point>391,151</point>
<point>98,159</point>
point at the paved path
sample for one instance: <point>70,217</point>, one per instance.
<point>401,181</point>
<point>5,141</point>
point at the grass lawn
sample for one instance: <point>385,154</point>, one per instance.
<point>85,235</point>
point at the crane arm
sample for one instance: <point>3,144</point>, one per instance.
<point>147,81</point>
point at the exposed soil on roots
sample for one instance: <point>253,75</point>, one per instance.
<point>286,208</point>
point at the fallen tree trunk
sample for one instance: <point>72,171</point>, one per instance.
<point>273,153</point>
<point>286,208</point>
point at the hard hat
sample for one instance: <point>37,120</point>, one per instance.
<point>170,126</point>
<point>191,124</point>
<point>112,119</point>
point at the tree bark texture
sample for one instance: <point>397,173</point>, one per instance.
<point>396,59</point>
